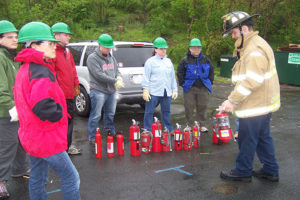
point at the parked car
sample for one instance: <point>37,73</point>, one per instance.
<point>131,57</point>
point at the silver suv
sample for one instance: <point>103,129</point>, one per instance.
<point>131,57</point>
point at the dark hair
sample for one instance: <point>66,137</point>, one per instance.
<point>1,35</point>
<point>153,52</point>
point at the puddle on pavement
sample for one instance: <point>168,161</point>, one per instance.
<point>224,189</point>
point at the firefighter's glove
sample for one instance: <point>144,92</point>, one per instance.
<point>76,90</point>
<point>119,83</point>
<point>174,95</point>
<point>13,114</point>
<point>146,95</point>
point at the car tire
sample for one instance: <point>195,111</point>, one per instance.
<point>83,103</point>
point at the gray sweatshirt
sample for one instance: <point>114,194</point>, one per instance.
<point>103,72</point>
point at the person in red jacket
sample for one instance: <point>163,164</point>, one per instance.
<point>64,67</point>
<point>42,112</point>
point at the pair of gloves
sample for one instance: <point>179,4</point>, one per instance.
<point>147,97</point>
<point>119,83</point>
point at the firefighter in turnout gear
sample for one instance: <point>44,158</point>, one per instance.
<point>255,96</point>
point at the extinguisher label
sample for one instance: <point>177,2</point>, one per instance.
<point>157,133</point>
<point>144,149</point>
<point>177,136</point>
<point>110,147</point>
<point>135,136</point>
<point>224,133</point>
<point>196,133</point>
<point>96,148</point>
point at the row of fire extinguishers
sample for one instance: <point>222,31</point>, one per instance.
<point>158,140</point>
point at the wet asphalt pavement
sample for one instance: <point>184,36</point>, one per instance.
<point>180,175</point>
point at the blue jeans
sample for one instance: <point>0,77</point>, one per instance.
<point>165,104</point>
<point>254,136</point>
<point>63,166</point>
<point>108,102</point>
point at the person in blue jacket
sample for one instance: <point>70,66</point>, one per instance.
<point>195,75</point>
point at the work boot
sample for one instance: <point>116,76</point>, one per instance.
<point>231,175</point>
<point>203,129</point>
<point>261,174</point>
<point>73,150</point>
<point>3,191</point>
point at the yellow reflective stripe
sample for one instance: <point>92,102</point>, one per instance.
<point>254,76</point>
<point>258,111</point>
<point>271,73</point>
<point>244,91</point>
<point>240,77</point>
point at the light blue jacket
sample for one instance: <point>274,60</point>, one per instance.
<point>159,76</point>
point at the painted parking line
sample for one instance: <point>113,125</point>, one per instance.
<point>178,169</point>
<point>54,191</point>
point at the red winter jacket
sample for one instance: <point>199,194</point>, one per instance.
<point>41,106</point>
<point>64,67</point>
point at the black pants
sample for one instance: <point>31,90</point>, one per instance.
<point>70,109</point>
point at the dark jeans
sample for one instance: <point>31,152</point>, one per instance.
<point>165,104</point>
<point>254,136</point>
<point>196,97</point>
<point>70,108</point>
<point>13,158</point>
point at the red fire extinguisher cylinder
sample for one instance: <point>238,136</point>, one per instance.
<point>120,144</point>
<point>110,146</point>
<point>98,146</point>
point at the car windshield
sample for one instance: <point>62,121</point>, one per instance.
<point>132,56</point>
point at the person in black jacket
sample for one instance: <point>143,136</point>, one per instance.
<point>195,75</point>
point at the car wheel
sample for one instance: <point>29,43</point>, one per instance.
<point>83,103</point>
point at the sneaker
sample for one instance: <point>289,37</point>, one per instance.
<point>231,175</point>
<point>3,191</point>
<point>73,150</point>
<point>261,174</point>
<point>24,175</point>
<point>204,129</point>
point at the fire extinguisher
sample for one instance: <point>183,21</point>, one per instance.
<point>98,146</point>
<point>166,140</point>
<point>221,127</point>
<point>156,132</point>
<point>120,144</point>
<point>187,139</point>
<point>178,138</point>
<point>110,145</point>
<point>134,132</point>
<point>196,134</point>
<point>146,138</point>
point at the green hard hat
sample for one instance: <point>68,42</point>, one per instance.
<point>38,31</point>
<point>7,27</point>
<point>195,42</point>
<point>61,27</point>
<point>106,41</point>
<point>160,43</point>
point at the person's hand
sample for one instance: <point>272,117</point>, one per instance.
<point>228,106</point>
<point>76,90</point>
<point>146,95</point>
<point>119,84</point>
<point>13,114</point>
<point>174,95</point>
